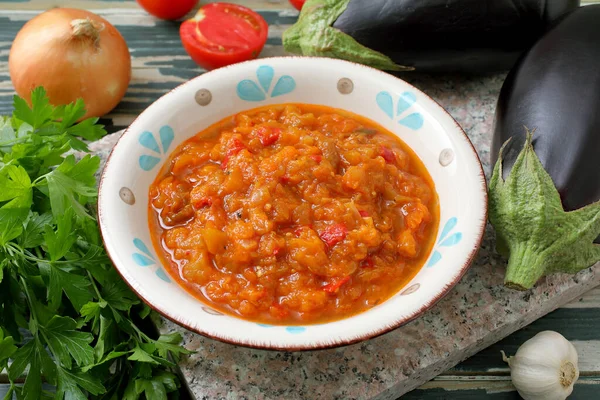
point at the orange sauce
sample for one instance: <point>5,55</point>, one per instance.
<point>293,214</point>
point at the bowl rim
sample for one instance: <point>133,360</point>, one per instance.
<point>480,231</point>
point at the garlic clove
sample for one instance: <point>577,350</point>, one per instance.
<point>545,367</point>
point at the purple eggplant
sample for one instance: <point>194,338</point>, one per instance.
<point>426,35</point>
<point>555,90</point>
<point>544,193</point>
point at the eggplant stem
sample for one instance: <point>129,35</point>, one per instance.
<point>525,268</point>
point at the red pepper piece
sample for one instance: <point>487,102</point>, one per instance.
<point>333,234</point>
<point>388,155</point>
<point>276,250</point>
<point>224,162</point>
<point>363,213</point>
<point>203,202</point>
<point>268,136</point>
<point>234,147</point>
<point>316,157</point>
<point>335,286</point>
<point>284,179</point>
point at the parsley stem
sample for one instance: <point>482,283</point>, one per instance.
<point>31,257</point>
<point>141,334</point>
<point>35,318</point>
<point>94,285</point>
<point>38,179</point>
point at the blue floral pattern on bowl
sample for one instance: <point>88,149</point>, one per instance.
<point>146,258</point>
<point>406,100</point>
<point>147,139</point>
<point>290,329</point>
<point>445,241</point>
<point>249,90</point>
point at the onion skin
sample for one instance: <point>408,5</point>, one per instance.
<point>94,65</point>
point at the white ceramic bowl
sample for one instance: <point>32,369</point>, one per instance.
<point>399,107</point>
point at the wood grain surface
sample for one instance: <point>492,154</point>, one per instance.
<point>160,64</point>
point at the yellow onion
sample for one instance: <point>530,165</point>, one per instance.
<point>72,54</point>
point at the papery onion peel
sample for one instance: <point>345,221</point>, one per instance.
<point>73,54</point>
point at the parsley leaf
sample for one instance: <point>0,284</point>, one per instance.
<point>56,280</point>
<point>59,242</point>
<point>69,343</point>
<point>40,111</point>
<point>153,389</point>
<point>15,187</point>
<point>11,223</point>
<point>70,181</point>
<point>142,355</point>
<point>70,385</point>
<point>118,295</point>
<point>33,233</point>
<point>170,344</point>
<point>7,349</point>
<point>76,287</point>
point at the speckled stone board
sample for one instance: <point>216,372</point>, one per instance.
<point>478,312</point>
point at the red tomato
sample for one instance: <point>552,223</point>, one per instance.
<point>168,9</point>
<point>298,4</point>
<point>221,34</point>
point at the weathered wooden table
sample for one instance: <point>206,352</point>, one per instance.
<point>160,63</point>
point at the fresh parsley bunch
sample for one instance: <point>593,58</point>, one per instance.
<point>55,278</point>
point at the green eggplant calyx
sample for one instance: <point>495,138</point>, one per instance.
<point>313,35</point>
<point>533,229</point>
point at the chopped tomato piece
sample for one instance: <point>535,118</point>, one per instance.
<point>334,286</point>
<point>333,234</point>
<point>317,157</point>
<point>363,213</point>
<point>268,136</point>
<point>388,155</point>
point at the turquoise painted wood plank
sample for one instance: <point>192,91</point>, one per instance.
<point>576,324</point>
<point>581,391</point>
<point>127,4</point>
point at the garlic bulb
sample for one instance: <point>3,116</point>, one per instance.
<point>544,367</point>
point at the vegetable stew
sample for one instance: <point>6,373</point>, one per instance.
<point>293,214</point>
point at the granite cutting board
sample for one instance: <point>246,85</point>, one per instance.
<point>476,313</point>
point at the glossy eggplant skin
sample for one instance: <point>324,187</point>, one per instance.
<point>451,35</point>
<point>555,89</point>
